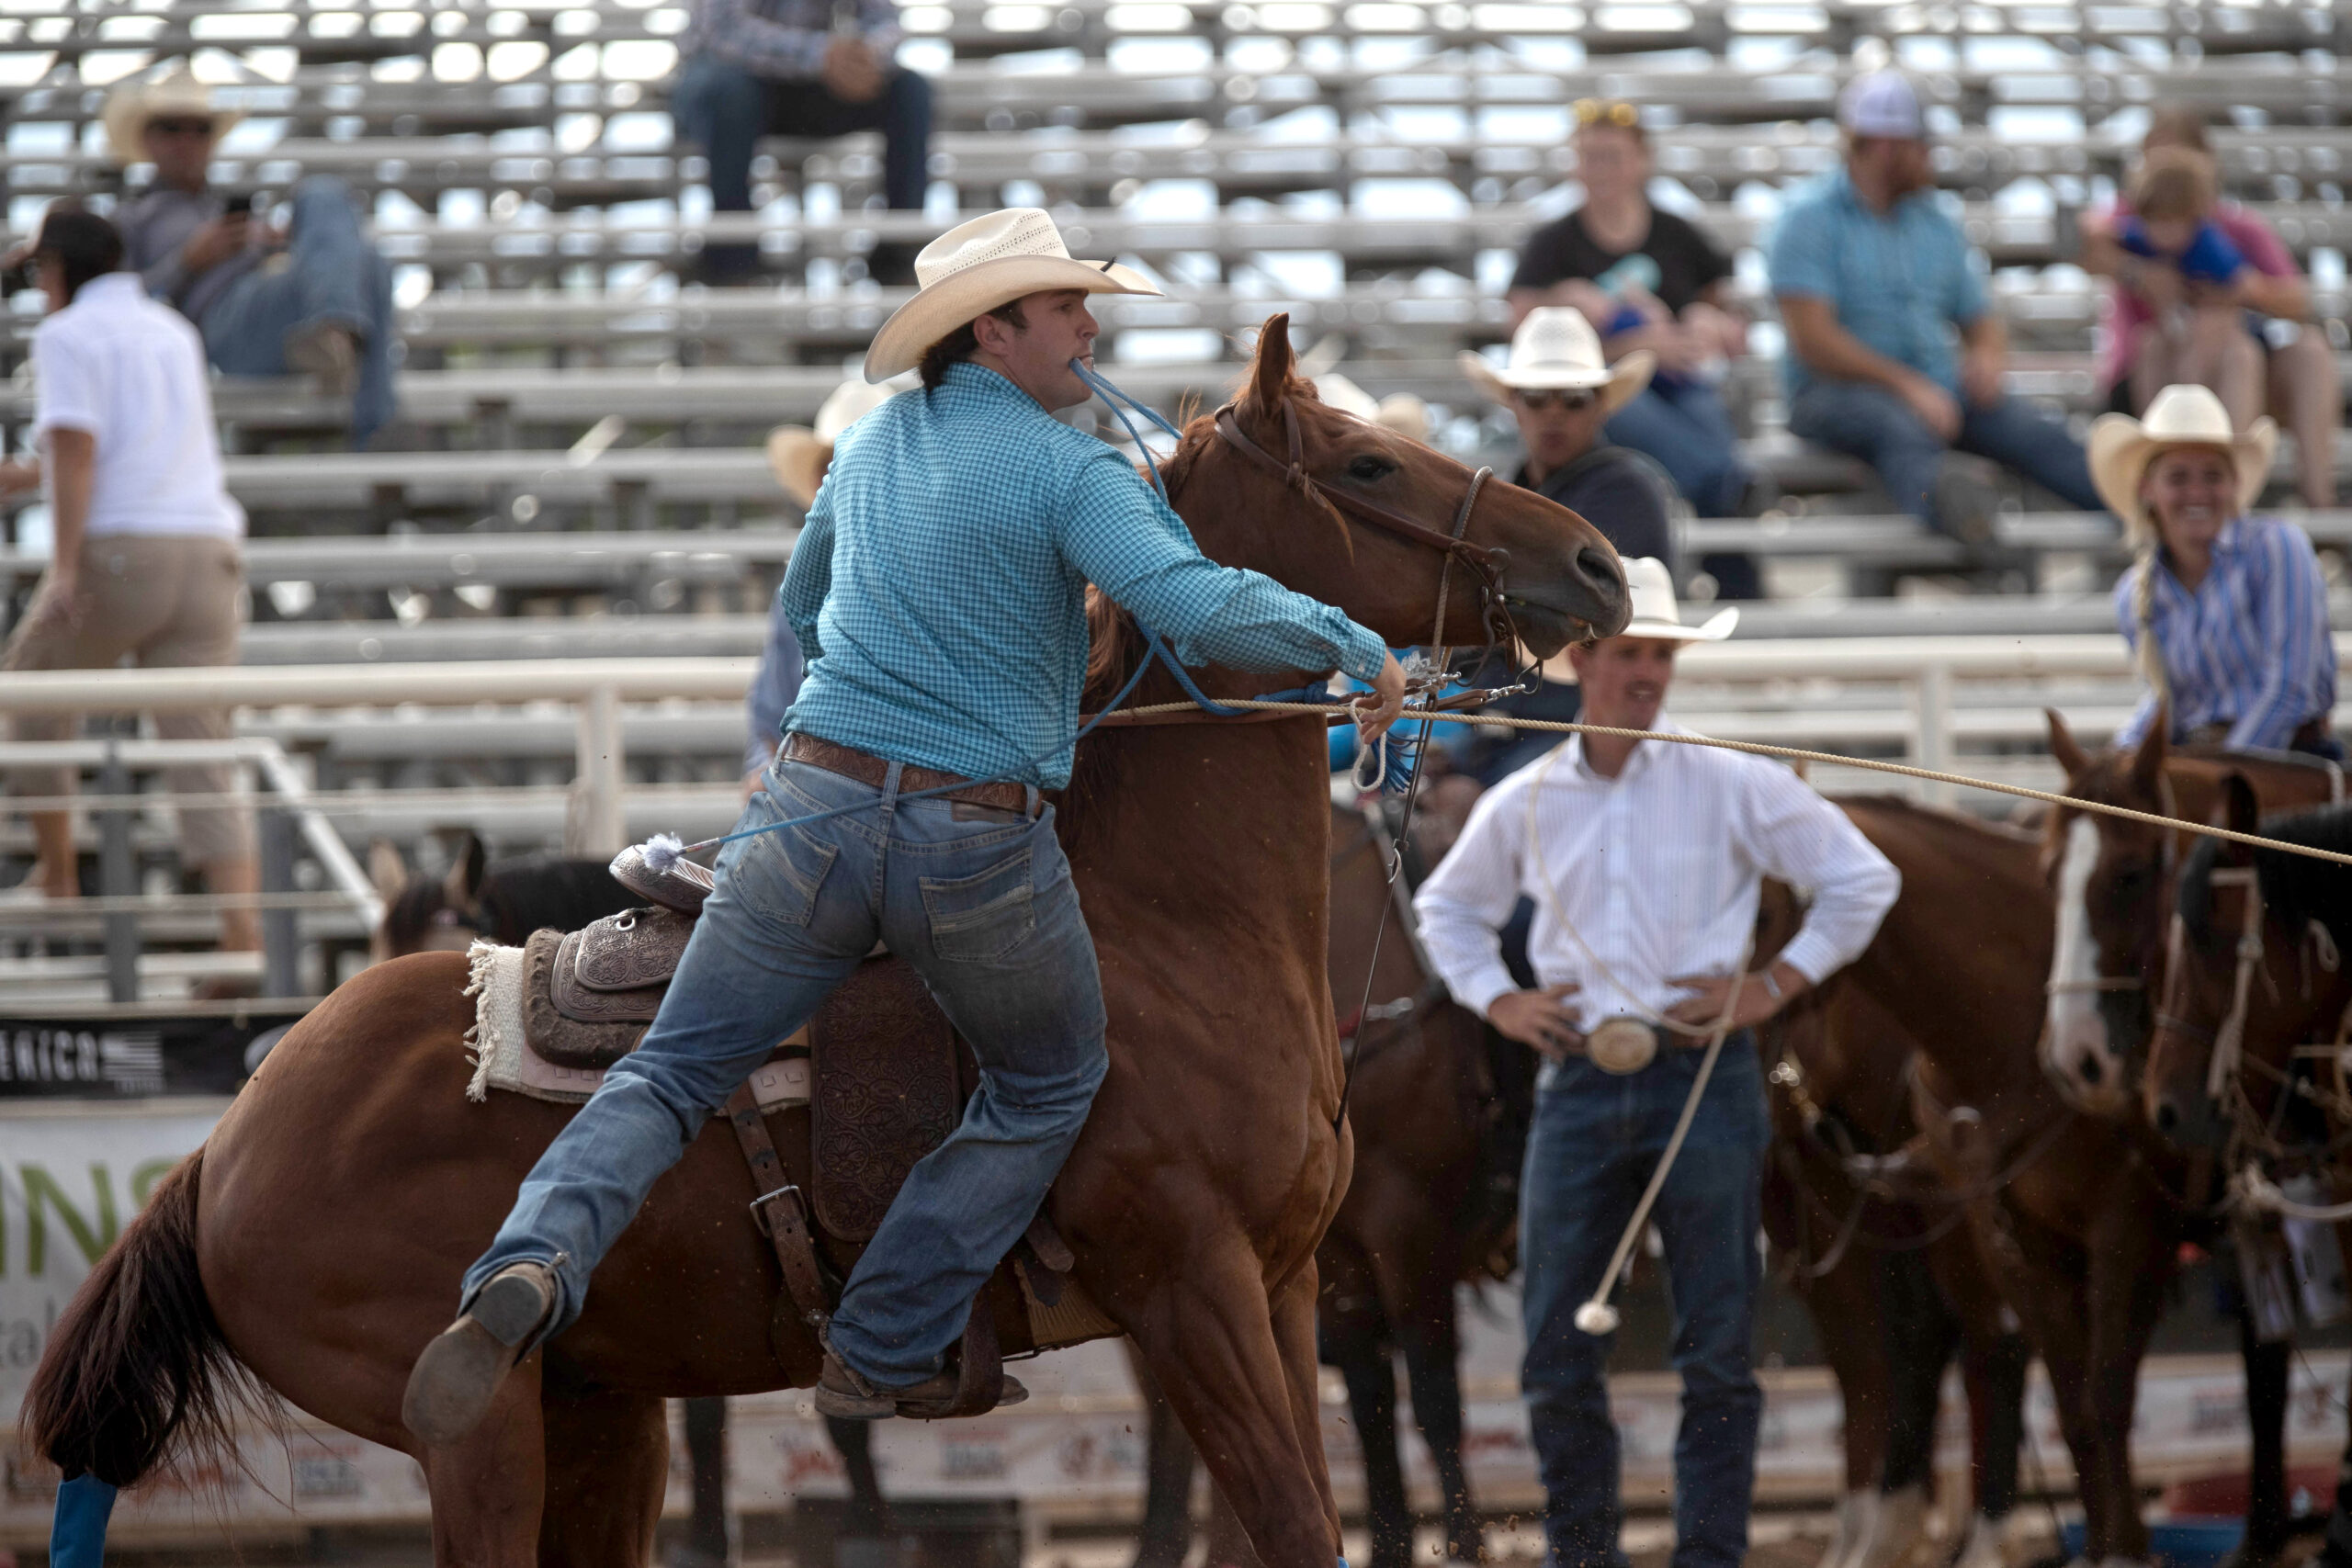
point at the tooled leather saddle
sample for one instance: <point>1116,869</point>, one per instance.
<point>886,1080</point>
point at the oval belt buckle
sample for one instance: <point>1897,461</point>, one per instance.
<point>1621,1045</point>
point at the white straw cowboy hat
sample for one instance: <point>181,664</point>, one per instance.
<point>1651,588</point>
<point>1555,349</point>
<point>977,267</point>
<point>1401,412</point>
<point>177,96</point>
<point>798,453</point>
<point>2121,448</point>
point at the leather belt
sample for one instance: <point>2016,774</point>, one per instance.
<point>852,763</point>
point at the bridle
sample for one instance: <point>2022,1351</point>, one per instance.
<point>1491,563</point>
<point>2228,1038</point>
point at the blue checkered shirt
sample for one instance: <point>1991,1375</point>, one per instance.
<point>938,586</point>
<point>785,38</point>
<point>2250,648</point>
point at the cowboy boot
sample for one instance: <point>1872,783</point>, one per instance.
<point>457,1376</point>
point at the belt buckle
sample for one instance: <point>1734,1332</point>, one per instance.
<point>1621,1045</point>
<point>759,1207</point>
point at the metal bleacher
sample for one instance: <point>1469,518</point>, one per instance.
<point>576,477</point>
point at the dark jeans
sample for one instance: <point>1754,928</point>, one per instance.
<point>1596,1141</point>
<point>982,905</point>
<point>727,110</point>
<point>1685,429</point>
<point>1876,425</point>
<point>331,274</point>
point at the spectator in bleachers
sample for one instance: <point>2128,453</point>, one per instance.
<point>314,298</point>
<point>1651,281</point>
<point>757,68</point>
<point>144,557</point>
<point>2225,612</point>
<point>1874,278</point>
<point>1562,390</point>
<point>2256,321</point>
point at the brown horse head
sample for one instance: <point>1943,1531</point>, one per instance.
<point>2110,881</point>
<point>1289,486</point>
<point>2281,921</point>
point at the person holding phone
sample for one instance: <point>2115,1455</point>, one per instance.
<point>315,299</point>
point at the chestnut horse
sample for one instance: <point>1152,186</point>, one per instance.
<point>1437,1117</point>
<point>316,1241</point>
<point>1888,1270</point>
<point>2113,881</point>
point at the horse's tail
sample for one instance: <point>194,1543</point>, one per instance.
<point>137,1367</point>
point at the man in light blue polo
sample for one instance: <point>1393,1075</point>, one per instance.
<point>939,592</point>
<point>1875,281</point>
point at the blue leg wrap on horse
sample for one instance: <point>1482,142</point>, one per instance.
<point>77,1530</point>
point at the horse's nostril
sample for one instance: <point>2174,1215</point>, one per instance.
<point>2167,1118</point>
<point>2092,1072</point>
<point>1597,565</point>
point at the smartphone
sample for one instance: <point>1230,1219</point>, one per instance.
<point>241,204</point>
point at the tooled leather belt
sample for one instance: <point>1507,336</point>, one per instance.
<point>866,768</point>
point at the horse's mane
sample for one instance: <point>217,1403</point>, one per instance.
<point>2296,888</point>
<point>522,896</point>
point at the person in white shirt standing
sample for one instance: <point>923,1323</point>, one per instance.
<point>1644,861</point>
<point>145,559</point>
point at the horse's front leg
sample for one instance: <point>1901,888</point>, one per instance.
<point>1208,1334</point>
<point>2128,1268</point>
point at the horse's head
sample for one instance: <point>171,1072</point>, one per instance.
<point>2111,883</point>
<point>427,914</point>
<point>2215,901</point>
<point>2256,969</point>
<point>1406,540</point>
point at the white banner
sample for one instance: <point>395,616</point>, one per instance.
<point>73,1173</point>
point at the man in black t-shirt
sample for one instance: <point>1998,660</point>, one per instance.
<point>1560,392</point>
<point>1649,280</point>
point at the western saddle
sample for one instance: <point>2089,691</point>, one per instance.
<point>886,1080</point>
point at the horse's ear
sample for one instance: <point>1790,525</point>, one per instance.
<point>2239,812</point>
<point>1269,379</point>
<point>386,869</point>
<point>466,867</point>
<point>2148,762</point>
<point>2066,748</point>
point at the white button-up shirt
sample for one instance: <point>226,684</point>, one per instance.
<point>1659,870</point>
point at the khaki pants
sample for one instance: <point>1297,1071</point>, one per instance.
<point>168,601</point>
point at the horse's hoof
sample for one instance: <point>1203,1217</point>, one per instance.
<point>457,1376</point>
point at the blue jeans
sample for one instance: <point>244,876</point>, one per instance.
<point>1685,429</point>
<point>982,904</point>
<point>1594,1141</point>
<point>1876,425</point>
<point>330,274</point>
<point>725,109</point>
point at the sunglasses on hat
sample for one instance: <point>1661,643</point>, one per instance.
<point>1573,400</point>
<point>1607,111</point>
<point>175,125</point>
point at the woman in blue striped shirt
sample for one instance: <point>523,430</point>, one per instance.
<point>2226,613</point>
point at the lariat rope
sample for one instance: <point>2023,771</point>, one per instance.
<point>1787,753</point>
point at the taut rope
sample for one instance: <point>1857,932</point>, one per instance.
<point>1331,711</point>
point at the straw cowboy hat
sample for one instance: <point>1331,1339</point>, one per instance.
<point>2121,448</point>
<point>1401,412</point>
<point>1555,349</point>
<point>1656,614</point>
<point>798,454</point>
<point>177,96</point>
<point>977,267</point>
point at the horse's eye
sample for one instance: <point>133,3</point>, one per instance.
<point>1371,466</point>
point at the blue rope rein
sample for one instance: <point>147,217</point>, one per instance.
<point>663,849</point>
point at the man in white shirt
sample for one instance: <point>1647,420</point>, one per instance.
<point>145,553</point>
<point>1644,865</point>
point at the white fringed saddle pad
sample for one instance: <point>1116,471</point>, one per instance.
<point>504,1059</point>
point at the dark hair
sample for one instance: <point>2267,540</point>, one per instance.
<point>85,244</point>
<point>962,344</point>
